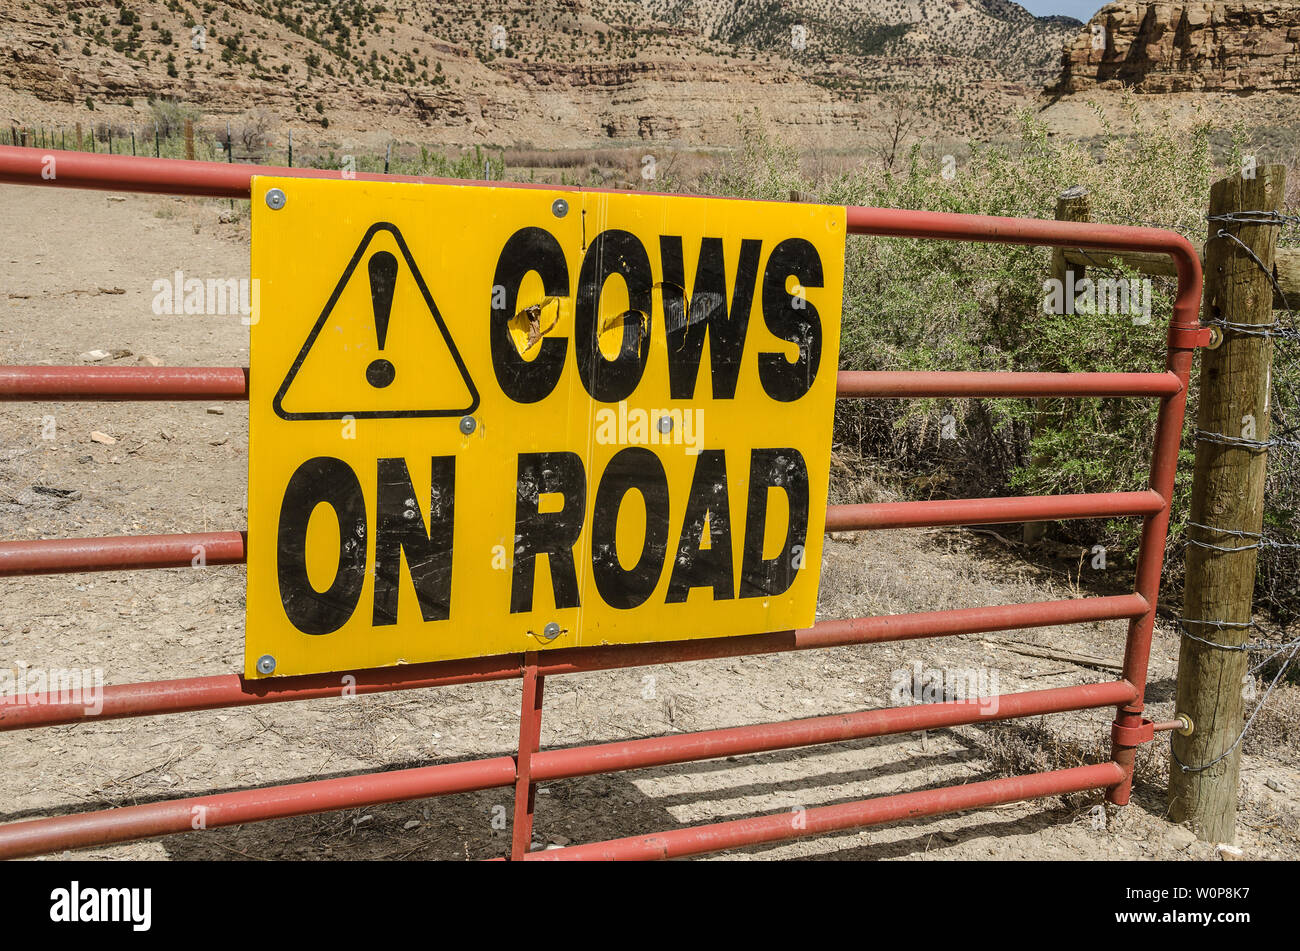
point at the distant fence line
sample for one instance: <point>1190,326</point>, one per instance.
<point>229,145</point>
<point>165,140</point>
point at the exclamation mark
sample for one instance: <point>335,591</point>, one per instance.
<point>383,280</point>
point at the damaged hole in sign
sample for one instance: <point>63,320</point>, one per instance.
<point>531,324</point>
<point>682,310</point>
<point>619,321</point>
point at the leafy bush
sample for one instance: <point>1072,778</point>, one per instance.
<point>169,116</point>
<point>939,305</point>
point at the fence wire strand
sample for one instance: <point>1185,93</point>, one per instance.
<point>1277,544</point>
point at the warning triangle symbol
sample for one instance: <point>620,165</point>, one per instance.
<point>380,348</point>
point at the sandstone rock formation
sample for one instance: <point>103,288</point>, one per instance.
<point>552,73</point>
<point>1173,47</point>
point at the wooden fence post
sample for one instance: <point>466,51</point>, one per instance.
<point>1073,204</point>
<point>1227,498</point>
<point>189,139</point>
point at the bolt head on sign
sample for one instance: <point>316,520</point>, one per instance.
<point>384,530</point>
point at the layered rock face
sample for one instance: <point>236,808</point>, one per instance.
<point>528,72</point>
<point>1164,47</point>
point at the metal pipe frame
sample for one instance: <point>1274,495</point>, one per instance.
<point>824,820</point>
<point>106,384</point>
<point>531,764</point>
<point>44,556</point>
<point>123,701</point>
<point>80,830</point>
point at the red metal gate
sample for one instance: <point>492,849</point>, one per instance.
<point>531,765</point>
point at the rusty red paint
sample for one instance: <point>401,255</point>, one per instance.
<point>124,552</point>
<point>530,738</point>
<point>123,383</point>
<point>46,556</point>
<point>34,836</point>
<point>231,383</point>
<point>122,701</point>
<point>1034,508</point>
<point>822,820</point>
<point>930,383</point>
<point>121,173</point>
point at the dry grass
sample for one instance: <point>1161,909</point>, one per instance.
<point>569,158</point>
<point>1014,749</point>
<point>1276,730</point>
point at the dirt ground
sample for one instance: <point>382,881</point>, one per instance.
<point>78,269</point>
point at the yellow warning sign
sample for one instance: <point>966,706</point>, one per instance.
<point>489,420</point>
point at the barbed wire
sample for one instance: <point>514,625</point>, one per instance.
<point>1275,329</point>
<point>1240,442</point>
<point>1262,266</point>
<point>1279,445</point>
<point>1255,218</point>
<point>1245,727</point>
<point>1249,647</point>
<point>1269,643</point>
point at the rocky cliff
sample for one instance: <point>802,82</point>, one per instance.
<point>545,72</point>
<point>1170,47</point>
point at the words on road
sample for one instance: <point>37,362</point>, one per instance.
<point>490,420</point>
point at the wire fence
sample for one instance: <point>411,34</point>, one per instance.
<point>1271,644</point>
<point>252,145</point>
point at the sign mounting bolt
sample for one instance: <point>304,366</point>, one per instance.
<point>551,631</point>
<point>559,207</point>
<point>467,424</point>
<point>275,199</point>
<point>665,424</point>
<point>266,664</point>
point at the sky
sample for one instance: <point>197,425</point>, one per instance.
<point>1079,9</point>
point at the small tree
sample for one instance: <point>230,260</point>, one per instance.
<point>254,131</point>
<point>891,130</point>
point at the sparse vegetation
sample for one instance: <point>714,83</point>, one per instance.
<point>929,305</point>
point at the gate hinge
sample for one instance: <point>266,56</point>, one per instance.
<point>1132,735</point>
<point>1191,338</point>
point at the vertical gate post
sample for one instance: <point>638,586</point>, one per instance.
<point>1073,204</point>
<point>530,735</point>
<point>1227,499</point>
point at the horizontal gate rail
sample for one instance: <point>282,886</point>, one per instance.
<point>531,765</point>
<point>124,552</point>
<point>927,383</point>
<point>232,690</point>
<point>991,511</point>
<point>277,802</point>
<point>105,384</point>
<point>47,556</point>
<point>823,820</point>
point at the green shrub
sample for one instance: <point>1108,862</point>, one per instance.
<point>169,116</point>
<point>942,305</point>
